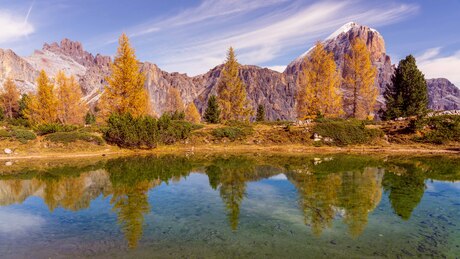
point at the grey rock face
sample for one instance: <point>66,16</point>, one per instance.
<point>443,95</point>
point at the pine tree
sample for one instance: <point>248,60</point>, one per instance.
<point>9,98</point>
<point>260,117</point>
<point>408,94</point>
<point>192,114</point>
<point>42,107</point>
<point>232,92</point>
<point>359,79</point>
<point>71,108</point>
<point>23,103</point>
<point>174,101</point>
<point>319,86</point>
<point>212,112</point>
<point>125,92</point>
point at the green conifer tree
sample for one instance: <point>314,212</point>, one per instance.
<point>408,93</point>
<point>260,117</point>
<point>212,112</point>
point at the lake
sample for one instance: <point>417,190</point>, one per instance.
<point>214,206</point>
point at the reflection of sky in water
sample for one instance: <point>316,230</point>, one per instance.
<point>15,223</point>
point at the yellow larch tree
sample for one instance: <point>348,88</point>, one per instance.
<point>42,106</point>
<point>71,108</point>
<point>359,80</point>
<point>232,95</point>
<point>319,86</point>
<point>9,98</point>
<point>125,92</point>
<point>174,101</point>
<point>192,114</point>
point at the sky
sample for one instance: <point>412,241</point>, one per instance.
<point>192,36</point>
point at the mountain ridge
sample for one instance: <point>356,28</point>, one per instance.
<point>273,89</point>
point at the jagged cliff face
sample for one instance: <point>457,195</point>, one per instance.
<point>443,95</point>
<point>276,91</point>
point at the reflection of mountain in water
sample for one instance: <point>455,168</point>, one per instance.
<point>331,187</point>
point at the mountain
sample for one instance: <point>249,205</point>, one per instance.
<point>443,95</point>
<point>276,91</point>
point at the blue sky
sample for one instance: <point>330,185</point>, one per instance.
<point>191,36</point>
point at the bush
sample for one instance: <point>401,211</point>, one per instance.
<point>44,129</point>
<point>146,132</point>
<point>437,130</point>
<point>23,136</point>
<point>345,132</point>
<point>69,137</point>
<point>233,132</point>
<point>5,134</point>
<point>19,122</point>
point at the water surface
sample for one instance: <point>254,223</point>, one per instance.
<point>336,206</point>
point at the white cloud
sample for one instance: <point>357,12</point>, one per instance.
<point>14,26</point>
<point>434,65</point>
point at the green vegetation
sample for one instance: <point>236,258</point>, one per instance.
<point>69,137</point>
<point>145,131</point>
<point>48,128</point>
<point>234,131</point>
<point>437,130</point>
<point>260,116</point>
<point>346,132</point>
<point>408,94</point>
<point>23,136</point>
<point>212,113</point>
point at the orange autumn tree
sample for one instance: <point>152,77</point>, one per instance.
<point>359,80</point>
<point>9,98</point>
<point>192,114</point>
<point>70,108</point>
<point>125,92</point>
<point>232,95</point>
<point>319,86</point>
<point>174,101</point>
<point>42,106</point>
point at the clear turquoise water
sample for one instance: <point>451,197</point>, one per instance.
<point>234,206</point>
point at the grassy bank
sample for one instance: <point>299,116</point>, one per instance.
<point>323,136</point>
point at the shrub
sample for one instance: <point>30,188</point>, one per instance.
<point>90,118</point>
<point>146,132</point>
<point>5,134</point>
<point>19,122</point>
<point>69,137</point>
<point>23,136</point>
<point>44,129</point>
<point>345,132</point>
<point>233,132</point>
<point>437,130</point>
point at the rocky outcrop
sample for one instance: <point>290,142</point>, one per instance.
<point>14,67</point>
<point>276,91</point>
<point>443,95</point>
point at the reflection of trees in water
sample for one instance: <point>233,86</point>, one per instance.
<point>406,186</point>
<point>230,175</point>
<point>131,179</point>
<point>323,195</point>
<point>323,192</point>
<point>360,193</point>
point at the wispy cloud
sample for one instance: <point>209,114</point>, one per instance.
<point>261,31</point>
<point>434,65</point>
<point>14,26</point>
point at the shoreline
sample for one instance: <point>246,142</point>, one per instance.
<point>242,149</point>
